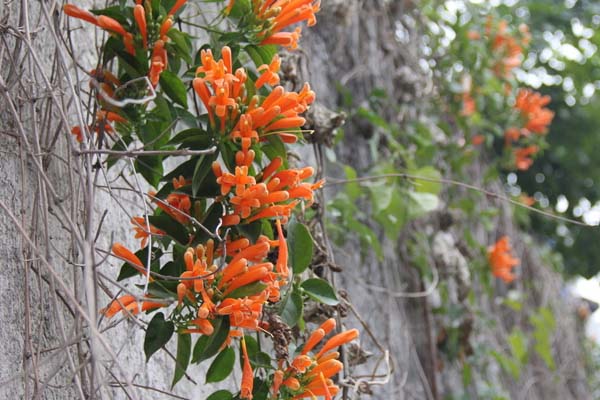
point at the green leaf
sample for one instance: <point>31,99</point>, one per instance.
<point>300,245</point>
<point>426,186</point>
<point>422,203</point>
<point>518,345</point>
<point>187,134</point>
<point>155,133</point>
<point>158,334</point>
<point>353,189</point>
<point>202,170</point>
<point>381,196</point>
<point>320,290</point>
<point>192,138</point>
<point>248,290</point>
<point>221,366</point>
<point>170,226</point>
<point>173,87</point>
<point>220,395</point>
<point>210,221</point>
<point>184,348</point>
<point>182,44</point>
<point>261,54</point>
<point>127,271</point>
<point>261,389</point>
<point>275,148</point>
<point>292,309</point>
<point>151,168</point>
<point>253,230</point>
<point>373,118</point>
<point>185,169</point>
<point>207,346</point>
<point>509,365</point>
<point>394,215</point>
<point>240,9</point>
<point>258,359</point>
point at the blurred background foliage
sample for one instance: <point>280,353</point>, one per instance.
<point>561,61</point>
<point>568,173</point>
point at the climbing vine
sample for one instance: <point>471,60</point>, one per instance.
<point>224,251</point>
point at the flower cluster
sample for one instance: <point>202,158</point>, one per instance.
<point>507,49</point>
<point>220,265</point>
<point>528,118</point>
<point>501,261</point>
<point>152,36</point>
<point>270,17</point>
<point>535,118</point>
<point>309,374</point>
<point>144,37</point>
<point>248,119</point>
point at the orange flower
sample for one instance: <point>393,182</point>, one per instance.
<point>527,200</point>
<point>531,105</point>
<point>165,27</point>
<point>501,261</point>
<point>308,376</point>
<point>508,48</point>
<point>270,73</point>
<point>76,12</point>
<point>473,35</point>
<point>511,135</point>
<point>141,232</point>
<point>229,7</point>
<point>247,374</point>
<point>178,4</point>
<point>140,18</point>
<point>127,255</point>
<point>128,304</point>
<point>477,140</point>
<point>111,24</point>
<point>522,157</point>
<point>468,105</point>
<point>274,16</point>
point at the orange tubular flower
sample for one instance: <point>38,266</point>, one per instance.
<point>221,101</point>
<point>244,132</point>
<point>508,48</point>
<point>178,4</point>
<point>523,157</point>
<point>111,24</point>
<point>308,376</point>
<point>76,130</point>
<point>270,74</point>
<point>76,12</point>
<point>271,17</point>
<point>128,304</point>
<point>511,135</point>
<point>282,259</point>
<point>140,18</point>
<point>501,261</point>
<point>141,231</point>
<point>288,40</point>
<point>247,374</point>
<point>125,254</point>
<point>531,105</point>
<point>477,140</point>
<point>468,105</point>
<point>338,340</point>
<point>229,7</point>
<point>165,27</point>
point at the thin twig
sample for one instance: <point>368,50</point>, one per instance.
<point>333,182</point>
<point>141,153</point>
